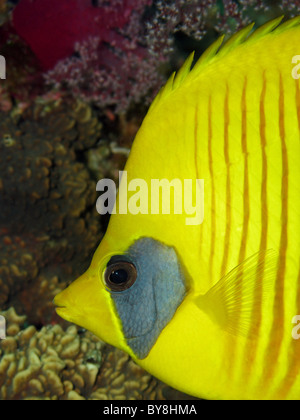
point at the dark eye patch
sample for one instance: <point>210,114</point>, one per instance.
<point>159,288</point>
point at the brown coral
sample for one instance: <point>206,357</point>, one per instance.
<point>48,220</point>
<point>50,364</point>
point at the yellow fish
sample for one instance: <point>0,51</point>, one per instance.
<point>211,308</point>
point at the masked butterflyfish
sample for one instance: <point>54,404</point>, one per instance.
<point>210,306</point>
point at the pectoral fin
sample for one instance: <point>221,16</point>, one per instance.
<point>235,301</point>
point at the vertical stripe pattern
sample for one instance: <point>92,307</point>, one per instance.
<point>277,330</point>
<point>252,347</point>
<point>228,183</point>
<point>213,199</point>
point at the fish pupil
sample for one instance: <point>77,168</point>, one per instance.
<point>119,276</point>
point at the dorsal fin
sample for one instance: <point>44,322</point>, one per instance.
<point>235,40</point>
<point>287,25</point>
<point>183,71</point>
<point>265,29</point>
<point>208,54</point>
<point>216,51</point>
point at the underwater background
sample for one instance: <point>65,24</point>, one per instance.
<point>80,76</point>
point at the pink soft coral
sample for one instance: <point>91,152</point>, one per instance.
<point>52,27</point>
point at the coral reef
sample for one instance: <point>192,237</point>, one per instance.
<point>95,51</point>
<point>53,364</point>
<point>115,54</point>
<point>48,222</point>
<point>125,78</point>
<point>50,364</point>
<point>71,21</point>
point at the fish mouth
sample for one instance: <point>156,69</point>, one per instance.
<point>58,304</point>
<point>64,313</point>
<point>66,310</point>
<point>61,311</point>
<point>60,308</point>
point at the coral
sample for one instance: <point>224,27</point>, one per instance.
<point>48,222</point>
<point>69,22</point>
<point>95,51</point>
<point>290,6</point>
<point>36,299</point>
<point>14,322</point>
<point>49,364</point>
<point>17,266</point>
<point>111,69</point>
<point>123,79</point>
<point>53,364</point>
<point>173,16</point>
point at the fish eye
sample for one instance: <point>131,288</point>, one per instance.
<point>120,275</point>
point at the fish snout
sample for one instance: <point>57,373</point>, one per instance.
<point>88,304</point>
